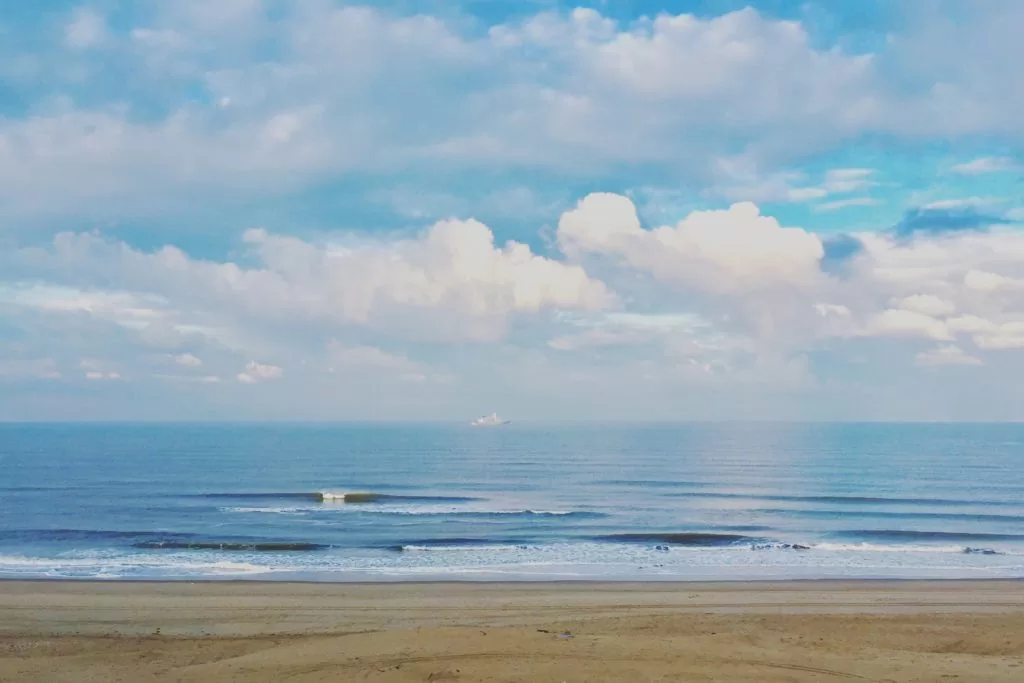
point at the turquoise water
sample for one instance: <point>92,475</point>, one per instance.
<point>710,501</point>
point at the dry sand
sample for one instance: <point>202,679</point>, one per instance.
<point>765,632</point>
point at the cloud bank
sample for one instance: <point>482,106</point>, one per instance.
<point>323,209</point>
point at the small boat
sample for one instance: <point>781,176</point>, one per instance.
<point>491,420</point>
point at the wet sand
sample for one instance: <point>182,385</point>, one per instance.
<point>265,631</point>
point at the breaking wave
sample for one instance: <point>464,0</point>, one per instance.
<point>909,535</point>
<point>468,515</point>
<point>337,497</point>
<point>234,546</point>
<point>426,544</point>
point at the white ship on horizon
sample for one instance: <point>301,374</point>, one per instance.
<point>491,420</point>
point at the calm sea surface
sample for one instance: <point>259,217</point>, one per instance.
<point>515,502</point>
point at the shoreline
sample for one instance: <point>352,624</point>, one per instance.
<point>625,584</point>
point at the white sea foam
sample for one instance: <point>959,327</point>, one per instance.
<point>459,549</point>
<point>270,510</point>
<point>517,561</point>
<point>879,548</point>
<point>102,565</point>
<point>430,510</point>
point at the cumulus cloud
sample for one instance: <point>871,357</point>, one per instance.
<point>940,285</point>
<point>451,281</point>
<point>718,251</point>
<point>896,322</point>
<point>723,298</point>
<point>945,355</point>
<point>757,287</point>
<point>926,304</point>
<point>962,285</point>
<point>353,88</point>
<point>357,110</point>
<point>1000,336</point>
<point>257,372</point>
<point>188,360</point>
<point>984,281</point>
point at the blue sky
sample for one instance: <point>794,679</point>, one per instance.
<point>256,209</point>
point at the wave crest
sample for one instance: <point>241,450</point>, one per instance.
<point>693,540</point>
<point>235,546</point>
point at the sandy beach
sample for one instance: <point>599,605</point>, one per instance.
<point>249,631</point>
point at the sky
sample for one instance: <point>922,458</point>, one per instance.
<point>424,210</point>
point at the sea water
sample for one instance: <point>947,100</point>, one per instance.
<point>516,502</point>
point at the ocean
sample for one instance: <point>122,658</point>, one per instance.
<point>516,502</point>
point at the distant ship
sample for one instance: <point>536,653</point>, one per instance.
<point>491,420</point>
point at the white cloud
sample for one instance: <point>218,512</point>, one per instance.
<point>363,359</point>
<point>752,277</point>
<point>945,355</point>
<point>896,322</point>
<point>927,279</point>
<point>984,165</point>
<point>717,251</point>
<point>596,338</point>
<point>843,180</point>
<point>258,372</point>
<point>845,203</point>
<point>204,379</point>
<point>361,89</point>
<point>849,174</point>
<point>963,203</point>
<point>125,308</point>
<point>97,370</point>
<point>825,310</point>
<point>720,299</point>
<point>96,375</point>
<point>971,324</point>
<point>633,329</point>
<point>369,357</point>
<point>449,282</point>
<point>991,282</point>
<point>683,58</point>
<point>741,179</point>
<point>86,29</point>
<point>999,336</point>
<point>926,304</point>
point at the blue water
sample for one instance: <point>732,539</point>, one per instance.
<point>713,501</point>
